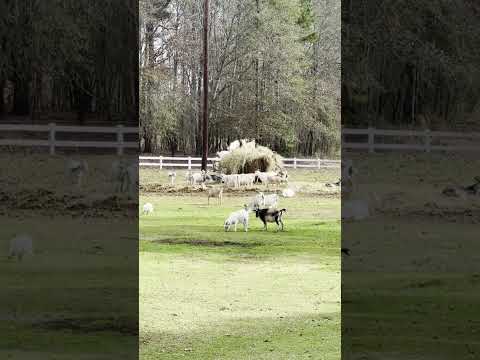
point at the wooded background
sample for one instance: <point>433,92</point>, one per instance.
<point>70,61</point>
<point>274,75</point>
<point>411,64</point>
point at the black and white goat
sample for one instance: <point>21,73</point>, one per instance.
<point>270,215</point>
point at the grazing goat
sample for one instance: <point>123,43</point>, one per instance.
<point>20,246</point>
<point>172,175</point>
<point>75,170</point>
<point>147,208</point>
<point>262,177</point>
<point>214,192</point>
<point>270,215</point>
<point>240,216</point>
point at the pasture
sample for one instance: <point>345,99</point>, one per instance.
<point>210,294</point>
<point>77,296</point>
<point>410,285</point>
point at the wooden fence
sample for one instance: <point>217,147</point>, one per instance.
<point>411,140</point>
<point>51,141</point>
<point>190,162</point>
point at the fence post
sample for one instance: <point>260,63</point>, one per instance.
<point>119,139</point>
<point>371,140</point>
<point>161,162</point>
<point>294,162</point>
<point>189,163</point>
<point>51,138</point>
<point>428,141</point>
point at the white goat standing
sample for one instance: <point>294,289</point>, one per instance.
<point>75,170</point>
<point>20,246</point>
<point>231,180</point>
<point>172,175</point>
<point>240,216</point>
<point>147,208</point>
<point>214,192</point>
<point>246,179</point>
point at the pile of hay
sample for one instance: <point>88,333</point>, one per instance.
<point>247,159</point>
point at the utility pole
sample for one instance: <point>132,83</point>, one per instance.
<point>205,87</point>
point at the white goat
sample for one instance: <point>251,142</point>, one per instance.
<point>263,177</point>
<point>75,170</point>
<point>288,193</point>
<point>246,179</point>
<point>20,246</point>
<point>263,201</point>
<point>172,175</point>
<point>240,216</point>
<point>147,208</point>
<point>230,180</point>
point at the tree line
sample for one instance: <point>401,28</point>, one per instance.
<point>274,75</point>
<point>74,58</point>
<point>410,63</point>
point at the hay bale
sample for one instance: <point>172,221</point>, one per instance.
<point>246,160</point>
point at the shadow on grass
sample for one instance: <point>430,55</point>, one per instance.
<point>125,326</point>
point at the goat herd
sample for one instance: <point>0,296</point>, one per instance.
<point>264,205</point>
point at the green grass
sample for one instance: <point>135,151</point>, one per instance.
<point>68,301</point>
<point>210,294</point>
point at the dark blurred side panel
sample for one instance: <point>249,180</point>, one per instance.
<point>411,204</point>
<point>69,179</point>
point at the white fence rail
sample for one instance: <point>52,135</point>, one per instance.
<point>52,142</point>
<point>195,162</point>
<point>424,140</point>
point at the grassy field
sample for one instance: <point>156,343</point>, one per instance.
<point>410,287</point>
<point>207,294</point>
<point>77,296</point>
<point>63,302</point>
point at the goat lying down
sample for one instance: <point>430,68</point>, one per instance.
<point>240,216</point>
<point>270,215</point>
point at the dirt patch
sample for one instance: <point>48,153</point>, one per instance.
<point>208,243</point>
<point>121,325</point>
<point>181,190</point>
<point>47,202</point>
<point>445,214</point>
